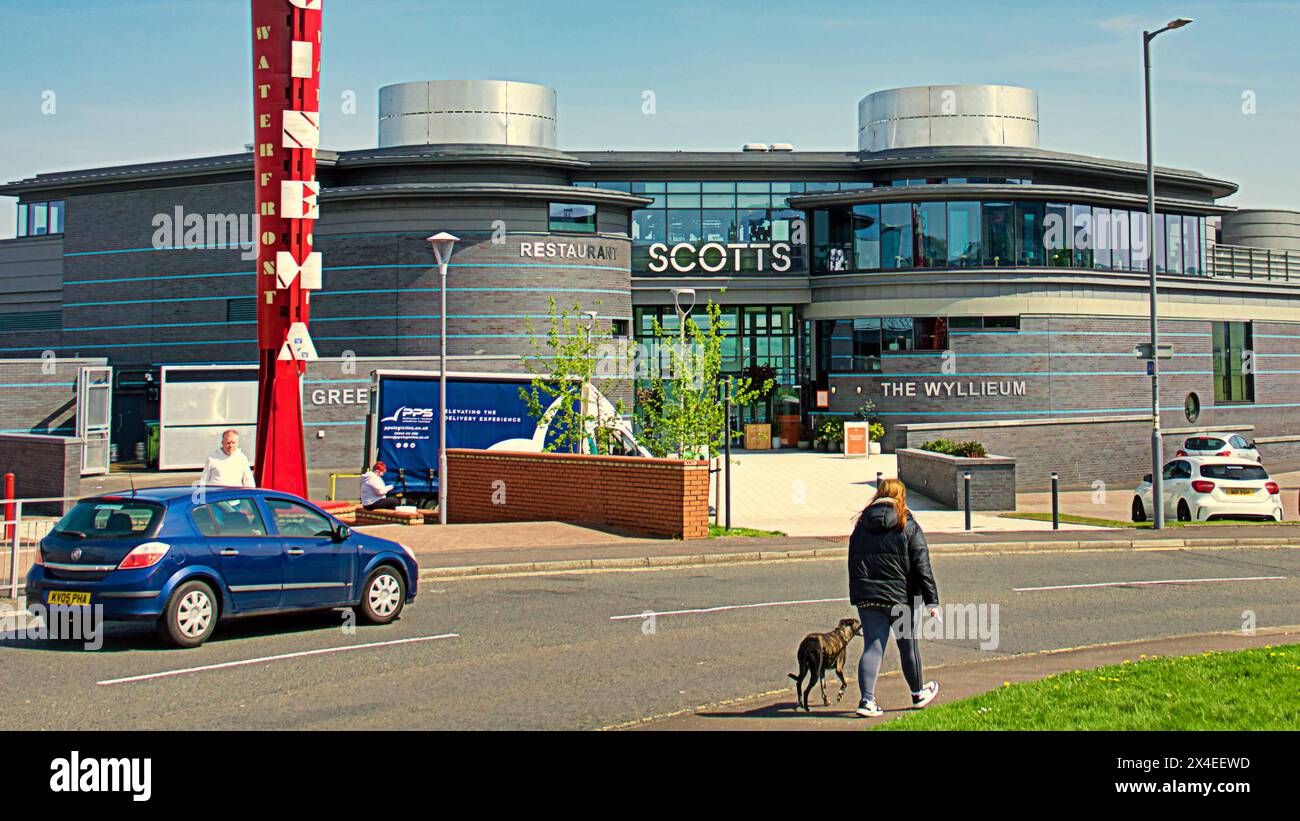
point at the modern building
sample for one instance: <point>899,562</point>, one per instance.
<point>964,281</point>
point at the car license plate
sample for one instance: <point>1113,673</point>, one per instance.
<point>67,597</point>
<point>1239,491</point>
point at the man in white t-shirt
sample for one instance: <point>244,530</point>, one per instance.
<point>228,466</point>
<point>374,493</point>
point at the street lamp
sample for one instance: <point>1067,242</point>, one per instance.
<point>1157,446</point>
<point>442,244</point>
<point>683,313</point>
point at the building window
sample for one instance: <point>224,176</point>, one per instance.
<point>1029,227</point>
<point>1234,374</point>
<point>896,334</point>
<point>932,228</point>
<point>971,324</point>
<point>1058,235</point>
<point>1174,242</point>
<point>930,333</point>
<point>1101,238</point>
<point>683,226</point>
<point>718,225</point>
<point>1138,233</point>
<point>39,218</point>
<point>1084,241</point>
<point>865,223</point>
<point>1191,246</point>
<point>999,234</point>
<point>573,217</point>
<point>896,235</point>
<point>866,345</point>
<point>963,234</point>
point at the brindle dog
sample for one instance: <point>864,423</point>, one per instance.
<point>819,652</point>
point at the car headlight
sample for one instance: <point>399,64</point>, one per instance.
<point>409,551</point>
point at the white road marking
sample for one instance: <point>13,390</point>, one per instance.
<point>265,659</point>
<point>1153,582</point>
<point>721,608</point>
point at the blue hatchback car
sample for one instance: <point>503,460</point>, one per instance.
<point>187,560</point>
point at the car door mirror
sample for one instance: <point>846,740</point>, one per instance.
<point>1147,478</point>
<point>342,533</point>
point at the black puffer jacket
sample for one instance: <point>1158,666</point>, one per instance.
<point>886,564</point>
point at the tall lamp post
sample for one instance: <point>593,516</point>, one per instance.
<point>442,244</point>
<point>683,313</point>
<point>1157,445</point>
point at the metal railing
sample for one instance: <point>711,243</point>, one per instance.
<point>1248,262</point>
<point>22,530</point>
<point>334,477</point>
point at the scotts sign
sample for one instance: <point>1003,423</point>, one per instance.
<point>286,128</point>
<point>712,257</point>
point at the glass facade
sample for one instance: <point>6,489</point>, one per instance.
<point>759,211</point>
<point>752,335</point>
<point>1000,234</point>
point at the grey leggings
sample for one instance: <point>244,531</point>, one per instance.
<point>876,628</point>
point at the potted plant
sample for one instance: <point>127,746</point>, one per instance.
<point>831,431</point>
<point>876,433</point>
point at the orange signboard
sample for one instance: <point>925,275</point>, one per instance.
<point>856,439</point>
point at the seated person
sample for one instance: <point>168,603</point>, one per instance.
<point>374,493</point>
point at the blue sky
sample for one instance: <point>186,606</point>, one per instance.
<point>137,81</point>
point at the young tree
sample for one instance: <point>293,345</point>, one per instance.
<point>680,406</point>
<point>563,365</point>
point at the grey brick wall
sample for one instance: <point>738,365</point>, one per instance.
<point>1113,450</point>
<point>40,395</point>
<point>939,476</point>
<point>1077,366</point>
<point>44,467</point>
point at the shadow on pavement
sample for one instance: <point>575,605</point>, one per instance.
<point>121,637</point>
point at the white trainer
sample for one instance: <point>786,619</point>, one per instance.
<point>926,695</point>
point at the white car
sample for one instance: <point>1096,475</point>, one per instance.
<point>1220,444</point>
<point>1203,488</point>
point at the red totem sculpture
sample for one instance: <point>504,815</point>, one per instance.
<point>286,123</point>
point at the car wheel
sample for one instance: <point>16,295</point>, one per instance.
<point>1184,512</point>
<point>190,615</point>
<point>1139,512</point>
<point>382,596</point>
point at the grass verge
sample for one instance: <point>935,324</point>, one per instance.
<point>1244,690</point>
<point>1069,518</point>
<point>718,532</point>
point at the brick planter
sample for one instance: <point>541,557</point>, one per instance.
<point>44,467</point>
<point>655,497</point>
<point>939,476</point>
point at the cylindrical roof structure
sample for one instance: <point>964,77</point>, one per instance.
<point>1262,228</point>
<point>920,116</point>
<point>474,112</point>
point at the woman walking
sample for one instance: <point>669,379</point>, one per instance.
<point>889,567</point>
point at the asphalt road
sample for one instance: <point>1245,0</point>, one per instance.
<point>541,652</point>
